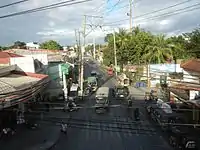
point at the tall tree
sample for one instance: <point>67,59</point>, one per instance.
<point>193,42</point>
<point>158,51</point>
<point>177,44</point>
<point>51,45</point>
<point>137,45</point>
<point>19,45</point>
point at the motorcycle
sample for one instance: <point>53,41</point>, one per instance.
<point>32,126</point>
<point>64,128</point>
<point>130,103</point>
<point>88,90</point>
<point>71,106</point>
<point>6,132</point>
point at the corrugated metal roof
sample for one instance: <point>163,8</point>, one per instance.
<point>14,82</point>
<point>8,55</point>
<point>54,57</point>
<point>191,65</point>
<point>29,52</point>
<point>5,57</point>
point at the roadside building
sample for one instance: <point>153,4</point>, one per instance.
<point>32,45</point>
<point>44,62</point>
<point>19,91</point>
<point>186,89</point>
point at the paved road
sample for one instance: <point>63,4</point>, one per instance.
<point>112,130</point>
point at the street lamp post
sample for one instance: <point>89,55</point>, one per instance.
<point>115,53</point>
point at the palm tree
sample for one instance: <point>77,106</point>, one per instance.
<point>122,39</point>
<point>158,51</point>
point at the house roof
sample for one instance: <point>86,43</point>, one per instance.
<point>186,86</point>
<point>8,55</point>
<point>5,57</point>
<point>191,65</point>
<point>20,86</point>
<point>55,57</point>
<point>17,80</point>
<point>30,52</point>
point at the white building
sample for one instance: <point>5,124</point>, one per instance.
<point>32,45</point>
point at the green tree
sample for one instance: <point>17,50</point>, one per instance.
<point>138,43</point>
<point>19,45</point>
<point>177,43</point>
<point>108,56</point>
<point>192,43</point>
<point>51,45</point>
<point>121,40</point>
<point>141,47</point>
<point>158,51</point>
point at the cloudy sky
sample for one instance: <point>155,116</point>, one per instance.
<point>59,23</point>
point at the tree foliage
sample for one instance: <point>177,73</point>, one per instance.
<point>51,45</point>
<point>19,45</point>
<point>141,47</point>
<point>192,43</point>
<point>2,48</point>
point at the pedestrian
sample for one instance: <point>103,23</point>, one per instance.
<point>47,107</point>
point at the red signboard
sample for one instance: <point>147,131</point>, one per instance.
<point>110,71</point>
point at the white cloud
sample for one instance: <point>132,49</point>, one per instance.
<point>51,23</point>
<point>59,23</point>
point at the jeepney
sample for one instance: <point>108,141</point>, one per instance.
<point>102,99</point>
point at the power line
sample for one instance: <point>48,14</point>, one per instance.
<point>117,3</point>
<point>52,6</point>
<point>152,12</point>
<point>14,3</point>
<point>127,5</point>
<point>176,12</point>
<point>165,8</point>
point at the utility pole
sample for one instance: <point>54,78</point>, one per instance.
<point>82,52</point>
<point>130,14</point>
<point>77,51</point>
<point>115,53</point>
<point>79,55</point>
<point>94,49</point>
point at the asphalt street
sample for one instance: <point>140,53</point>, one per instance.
<point>115,129</point>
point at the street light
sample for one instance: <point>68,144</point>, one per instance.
<point>115,51</point>
<point>172,46</point>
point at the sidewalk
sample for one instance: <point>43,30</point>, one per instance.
<point>45,137</point>
<point>26,139</point>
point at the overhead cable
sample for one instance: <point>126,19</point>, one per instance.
<point>156,11</point>
<point>13,3</point>
<point>117,3</point>
<point>176,12</point>
<point>47,7</point>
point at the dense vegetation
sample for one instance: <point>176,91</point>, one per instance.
<point>142,47</point>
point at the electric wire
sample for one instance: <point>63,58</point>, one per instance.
<point>14,3</point>
<point>47,7</point>
<point>159,10</point>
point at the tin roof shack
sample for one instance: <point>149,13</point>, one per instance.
<point>17,87</point>
<point>186,90</point>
